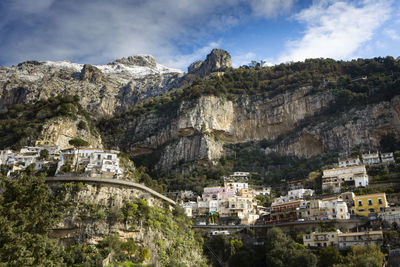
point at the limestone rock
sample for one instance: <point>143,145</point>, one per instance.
<point>218,59</point>
<point>91,74</point>
<point>103,89</point>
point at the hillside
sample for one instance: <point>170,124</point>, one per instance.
<point>300,110</point>
<point>102,89</point>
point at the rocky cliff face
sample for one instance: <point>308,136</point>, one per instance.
<point>291,122</point>
<point>359,127</point>
<point>218,59</point>
<point>103,89</point>
<point>197,131</point>
<point>93,212</point>
<point>61,130</point>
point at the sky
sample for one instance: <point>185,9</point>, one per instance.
<point>180,32</point>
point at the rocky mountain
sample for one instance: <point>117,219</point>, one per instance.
<point>330,112</point>
<point>217,60</point>
<point>299,109</point>
<point>103,89</point>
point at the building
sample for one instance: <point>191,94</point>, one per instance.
<point>333,179</point>
<point>371,203</point>
<point>239,176</point>
<point>342,240</point>
<point>44,142</point>
<point>104,162</point>
<point>348,197</point>
<point>190,208</point>
<point>245,208</point>
<point>262,191</point>
<point>347,162</point>
<point>293,195</point>
<point>296,184</point>
<point>324,209</point>
<point>346,240</point>
<point>217,193</point>
<point>387,157</point>
<point>284,212</point>
<point>371,158</point>
<point>235,186</point>
<point>322,239</point>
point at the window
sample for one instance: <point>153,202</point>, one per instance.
<point>379,200</point>
<point>369,202</point>
<point>371,210</point>
<point>98,156</point>
<point>108,156</point>
<point>360,203</point>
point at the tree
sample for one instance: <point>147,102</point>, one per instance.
<point>282,251</point>
<point>27,216</point>
<point>44,154</point>
<point>78,142</point>
<point>329,256</point>
<point>361,256</point>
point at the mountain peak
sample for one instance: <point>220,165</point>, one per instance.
<point>218,59</point>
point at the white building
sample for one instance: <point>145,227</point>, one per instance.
<point>189,208</point>
<point>262,191</point>
<point>240,176</point>
<point>72,155</point>
<point>104,162</point>
<point>387,157</point>
<point>334,178</point>
<point>371,158</point>
<point>235,186</point>
<point>346,162</point>
<point>294,195</point>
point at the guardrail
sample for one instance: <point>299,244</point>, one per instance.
<point>109,181</point>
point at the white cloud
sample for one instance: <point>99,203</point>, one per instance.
<point>336,29</point>
<point>271,8</point>
<point>99,31</point>
<point>391,33</point>
<point>243,59</point>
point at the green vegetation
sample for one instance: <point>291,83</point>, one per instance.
<point>27,215</point>
<point>21,124</point>
<point>78,142</point>
<point>283,251</point>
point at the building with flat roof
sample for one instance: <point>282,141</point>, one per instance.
<point>371,203</point>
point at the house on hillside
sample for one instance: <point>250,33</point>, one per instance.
<point>333,179</point>
<point>350,161</point>
<point>371,203</point>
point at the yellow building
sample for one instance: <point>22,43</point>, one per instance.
<point>371,203</point>
<point>44,142</point>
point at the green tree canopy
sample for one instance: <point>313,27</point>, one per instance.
<point>282,251</point>
<point>361,256</point>
<point>26,217</point>
<point>78,142</point>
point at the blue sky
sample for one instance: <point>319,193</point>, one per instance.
<point>179,32</point>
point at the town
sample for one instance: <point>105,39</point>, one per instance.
<point>239,202</point>
<point>45,156</point>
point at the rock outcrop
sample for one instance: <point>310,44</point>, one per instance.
<point>93,211</point>
<point>290,122</point>
<point>61,130</point>
<point>217,60</point>
<point>103,89</point>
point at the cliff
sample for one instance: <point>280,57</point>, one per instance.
<point>294,123</point>
<point>93,212</point>
<point>103,89</point>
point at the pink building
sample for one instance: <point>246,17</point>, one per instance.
<point>217,193</point>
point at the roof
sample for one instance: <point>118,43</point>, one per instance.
<point>374,194</point>
<point>361,233</point>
